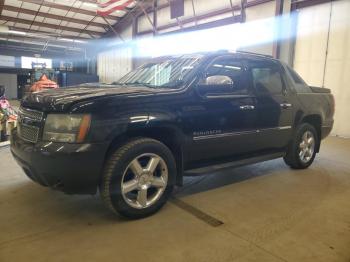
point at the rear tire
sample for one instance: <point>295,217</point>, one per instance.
<point>302,150</point>
<point>137,178</point>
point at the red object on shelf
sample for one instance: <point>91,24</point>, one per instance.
<point>43,83</point>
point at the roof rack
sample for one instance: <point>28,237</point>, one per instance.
<point>252,53</point>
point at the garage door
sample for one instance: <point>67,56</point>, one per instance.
<point>322,55</point>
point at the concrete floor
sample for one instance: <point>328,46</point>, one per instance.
<point>269,213</point>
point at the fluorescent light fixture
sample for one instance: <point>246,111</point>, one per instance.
<point>14,32</point>
<point>3,29</point>
<point>72,40</point>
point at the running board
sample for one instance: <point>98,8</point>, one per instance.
<point>233,164</point>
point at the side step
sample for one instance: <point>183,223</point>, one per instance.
<point>238,163</point>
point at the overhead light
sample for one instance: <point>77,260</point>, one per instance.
<point>3,29</point>
<point>72,40</point>
<point>14,32</point>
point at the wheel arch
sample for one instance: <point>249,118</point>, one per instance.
<point>167,135</point>
<point>316,121</point>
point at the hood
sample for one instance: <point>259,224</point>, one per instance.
<point>62,99</point>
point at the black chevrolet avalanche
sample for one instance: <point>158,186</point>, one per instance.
<point>133,139</point>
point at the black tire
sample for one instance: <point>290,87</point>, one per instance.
<point>118,165</point>
<point>292,157</point>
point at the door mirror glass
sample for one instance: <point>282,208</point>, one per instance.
<point>218,80</point>
<point>224,76</point>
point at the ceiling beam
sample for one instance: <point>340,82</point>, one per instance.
<point>307,3</point>
<point>53,34</point>
<point>67,8</point>
<point>52,16</point>
<point>129,17</point>
<point>37,49</point>
<point>42,41</point>
<point>51,26</point>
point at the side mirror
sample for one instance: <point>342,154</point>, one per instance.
<point>216,80</point>
<point>215,85</point>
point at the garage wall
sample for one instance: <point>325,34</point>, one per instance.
<point>321,28</point>
<point>10,83</point>
<point>257,13</point>
<point>115,63</point>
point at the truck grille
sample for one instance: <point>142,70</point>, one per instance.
<point>32,114</point>
<point>28,133</point>
<point>29,124</point>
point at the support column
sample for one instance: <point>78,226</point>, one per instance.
<point>288,23</point>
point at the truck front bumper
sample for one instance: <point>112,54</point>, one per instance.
<point>71,168</point>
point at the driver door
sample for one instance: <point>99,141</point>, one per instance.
<point>224,125</point>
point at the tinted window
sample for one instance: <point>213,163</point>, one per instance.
<point>227,71</point>
<point>298,83</point>
<point>296,78</point>
<point>163,72</point>
<point>267,77</point>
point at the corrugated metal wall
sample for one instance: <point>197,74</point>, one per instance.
<point>322,55</point>
<point>115,63</point>
<point>10,83</point>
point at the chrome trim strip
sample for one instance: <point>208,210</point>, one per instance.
<point>197,138</point>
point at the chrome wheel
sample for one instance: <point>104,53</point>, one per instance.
<point>144,181</point>
<point>307,147</point>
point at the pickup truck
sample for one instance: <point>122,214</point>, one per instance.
<point>134,139</point>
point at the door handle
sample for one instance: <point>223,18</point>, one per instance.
<point>286,105</point>
<point>247,107</point>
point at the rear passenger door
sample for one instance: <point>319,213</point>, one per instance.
<point>274,107</point>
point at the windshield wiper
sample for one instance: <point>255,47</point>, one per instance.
<point>116,83</point>
<point>141,84</point>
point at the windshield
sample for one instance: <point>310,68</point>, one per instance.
<point>162,73</point>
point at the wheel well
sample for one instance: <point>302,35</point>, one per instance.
<point>316,122</point>
<point>165,135</point>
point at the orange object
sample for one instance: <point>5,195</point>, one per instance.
<point>84,128</point>
<point>43,83</point>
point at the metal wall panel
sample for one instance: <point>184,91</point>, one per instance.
<point>256,13</point>
<point>337,72</point>
<point>10,83</point>
<point>114,64</point>
<point>311,43</point>
<point>322,55</point>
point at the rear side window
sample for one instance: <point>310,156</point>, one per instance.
<point>296,78</point>
<point>267,77</point>
<point>299,85</point>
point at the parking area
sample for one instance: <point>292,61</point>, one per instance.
<point>262,212</point>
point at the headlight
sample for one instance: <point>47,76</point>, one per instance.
<point>66,128</point>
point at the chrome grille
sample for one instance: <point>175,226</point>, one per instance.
<point>31,114</point>
<point>29,123</point>
<point>28,133</point>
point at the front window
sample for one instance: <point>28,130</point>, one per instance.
<point>162,73</point>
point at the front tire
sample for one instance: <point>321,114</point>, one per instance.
<point>302,150</point>
<point>137,179</point>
